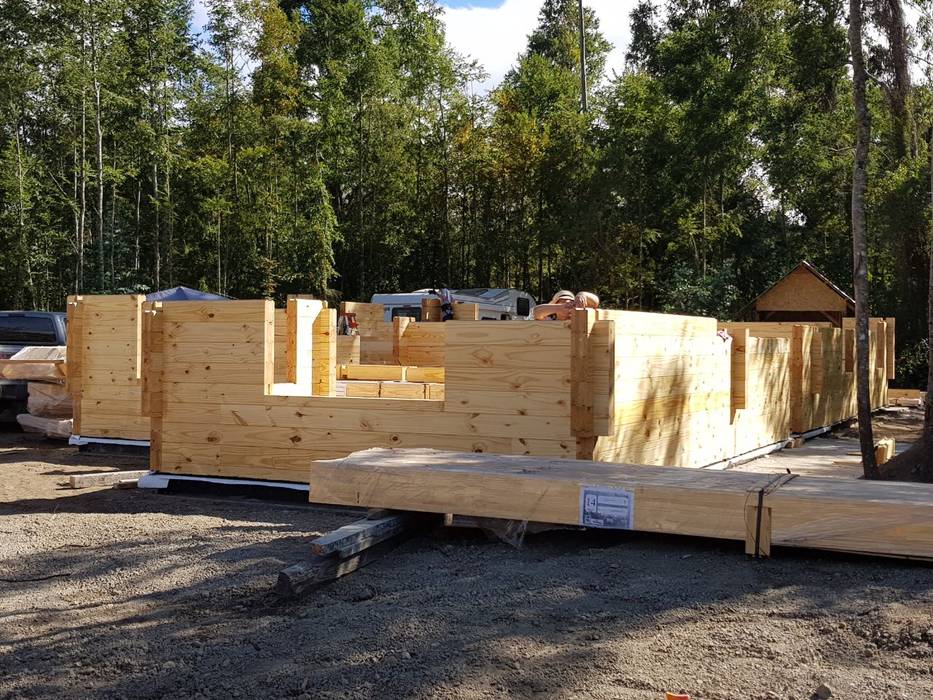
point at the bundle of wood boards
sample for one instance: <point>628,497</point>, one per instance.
<point>48,400</point>
<point>883,518</point>
<point>36,364</point>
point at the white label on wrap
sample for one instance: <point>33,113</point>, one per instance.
<point>601,506</point>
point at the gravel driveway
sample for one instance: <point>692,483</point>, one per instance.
<point>123,593</point>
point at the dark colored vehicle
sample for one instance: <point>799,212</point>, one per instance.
<point>20,329</point>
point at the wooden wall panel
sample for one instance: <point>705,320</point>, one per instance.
<point>672,391</point>
<point>105,366</point>
<point>657,390</point>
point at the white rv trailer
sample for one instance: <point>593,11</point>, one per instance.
<point>494,304</point>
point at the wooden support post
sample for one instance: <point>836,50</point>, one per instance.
<point>324,353</point>
<point>739,370</point>
<point>155,344</point>
<point>581,387</point>
<point>816,362</point>
<point>138,301</point>
<point>75,341</point>
<point>150,338</point>
<point>800,386</point>
<point>889,342</point>
<point>399,326</point>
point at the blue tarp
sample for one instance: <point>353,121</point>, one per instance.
<point>184,294</point>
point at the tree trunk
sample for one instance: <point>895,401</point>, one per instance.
<point>859,240</point>
<point>31,302</point>
<point>157,233</point>
<point>100,165</point>
<point>82,191</point>
<point>928,417</point>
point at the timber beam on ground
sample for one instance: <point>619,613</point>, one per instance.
<point>349,548</point>
<point>879,518</point>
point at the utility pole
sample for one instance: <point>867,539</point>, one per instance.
<point>582,58</point>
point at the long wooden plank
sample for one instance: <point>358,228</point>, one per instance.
<point>361,534</point>
<point>83,481</point>
<point>885,518</point>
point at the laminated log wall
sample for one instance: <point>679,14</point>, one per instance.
<point>608,385</point>
<point>791,378</point>
<point>217,409</point>
<point>105,366</point>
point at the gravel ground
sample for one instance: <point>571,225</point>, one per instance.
<point>107,593</point>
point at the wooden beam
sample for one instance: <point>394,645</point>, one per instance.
<point>581,388</point>
<point>83,481</point>
<point>882,518</point>
<point>305,576</point>
<point>399,325</point>
<point>347,549</point>
<point>361,534</point>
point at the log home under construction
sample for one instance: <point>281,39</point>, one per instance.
<point>239,389</point>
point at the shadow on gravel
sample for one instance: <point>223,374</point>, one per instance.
<point>439,612</point>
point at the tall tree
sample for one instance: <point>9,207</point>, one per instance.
<point>860,239</point>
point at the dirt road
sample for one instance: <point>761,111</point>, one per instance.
<point>139,595</point>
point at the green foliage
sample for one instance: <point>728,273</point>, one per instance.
<point>339,147</point>
<point>912,368</point>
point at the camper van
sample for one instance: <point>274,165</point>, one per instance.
<point>494,304</point>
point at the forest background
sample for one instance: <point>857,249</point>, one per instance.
<point>343,148</point>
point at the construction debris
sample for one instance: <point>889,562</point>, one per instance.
<point>347,549</point>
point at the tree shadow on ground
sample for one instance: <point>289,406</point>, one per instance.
<point>184,610</point>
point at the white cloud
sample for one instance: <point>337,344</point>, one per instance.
<point>495,36</point>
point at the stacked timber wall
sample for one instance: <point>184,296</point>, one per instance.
<point>240,389</point>
<point>669,377</point>
<point>105,366</point>
<point>791,377</point>
<point>217,409</point>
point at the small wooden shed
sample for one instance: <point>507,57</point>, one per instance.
<point>803,295</point>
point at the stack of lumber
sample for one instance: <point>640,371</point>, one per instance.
<point>883,518</point>
<point>36,364</point>
<point>906,397</point>
<point>49,406</point>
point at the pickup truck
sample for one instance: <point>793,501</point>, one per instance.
<point>19,329</point>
